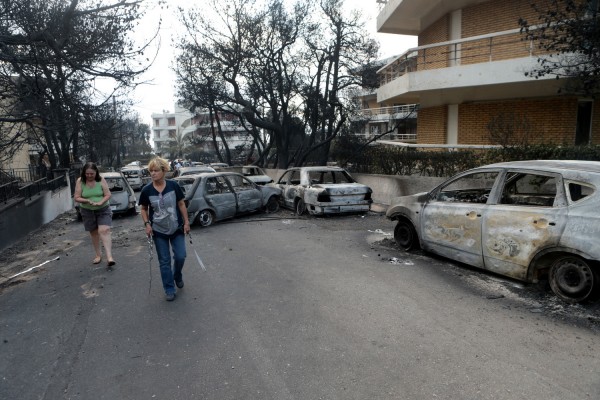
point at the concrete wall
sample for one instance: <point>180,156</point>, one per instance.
<point>386,187</point>
<point>23,217</point>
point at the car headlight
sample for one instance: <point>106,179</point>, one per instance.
<point>323,197</point>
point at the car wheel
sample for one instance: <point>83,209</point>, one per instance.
<point>205,218</point>
<point>272,205</point>
<point>300,207</point>
<point>572,279</point>
<point>405,235</point>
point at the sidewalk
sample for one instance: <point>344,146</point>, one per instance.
<point>379,207</point>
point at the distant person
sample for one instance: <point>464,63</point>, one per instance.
<point>165,218</point>
<point>93,195</point>
<point>46,166</point>
<point>177,164</point>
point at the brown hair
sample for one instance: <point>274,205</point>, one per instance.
<point>90,165</point>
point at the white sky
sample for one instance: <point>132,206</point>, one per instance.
<point>160,94</point>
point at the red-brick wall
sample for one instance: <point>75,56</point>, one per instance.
<point>551,120</point>
<point>436,57</point>
<point>432,125</point>
<point>495,16</point>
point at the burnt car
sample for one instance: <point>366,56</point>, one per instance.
<point>212,197</point>
<point>323,190</point>
<point>527,220</point>
<point>137,176</point>
<point>197,169</point>
<point>256,174</point>
<point>122,196</point>
<point>219,166</point>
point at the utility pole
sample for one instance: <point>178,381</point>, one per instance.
<point>119,138</point>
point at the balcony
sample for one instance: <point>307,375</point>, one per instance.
<point>497,61</point>
<point>385,114</point>
<point>400,138</point>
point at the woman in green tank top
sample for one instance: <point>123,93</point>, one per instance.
<point>93,195</point>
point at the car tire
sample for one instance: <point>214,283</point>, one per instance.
<point>573,279</point>
<point>300,207</point>
<point>205,218</point>
<point>405,235</point>
<point>272,205</point>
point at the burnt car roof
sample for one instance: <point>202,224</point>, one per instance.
<point>557,166</point>
<point>111,174</point>
<point>208,174</point>
<point>196,168</point>
<point>321,168</point>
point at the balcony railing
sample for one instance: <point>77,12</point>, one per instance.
<point>395,137</point>
<point>386,113</point>
<point>492,47</point>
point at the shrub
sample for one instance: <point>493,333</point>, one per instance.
<point>388,160</point>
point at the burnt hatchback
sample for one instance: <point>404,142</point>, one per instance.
<point>215,196</point>
<point>525,220</point>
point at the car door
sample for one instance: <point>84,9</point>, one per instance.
<point>219,196</point>
<point>530,215</point>
<point>451,220</point>
<point>288,183</point>
<point>249,198</point>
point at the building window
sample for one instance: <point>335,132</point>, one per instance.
<point>172,134</point>
<point>157,134</point>
<point>171,121</point>
<point>156,122</point>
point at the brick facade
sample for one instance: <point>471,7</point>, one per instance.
<point>495,16</point>
<point>550,120</point>
<point>436,57</point>
<point>432,125</point>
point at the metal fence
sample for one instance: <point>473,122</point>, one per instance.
<point>30,174</point>
<point>19,184</point>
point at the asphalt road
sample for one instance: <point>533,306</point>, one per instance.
<point>311,308</point>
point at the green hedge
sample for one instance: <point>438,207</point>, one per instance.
<point>388,160</point>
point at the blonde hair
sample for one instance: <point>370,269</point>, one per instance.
<point>158,162</point>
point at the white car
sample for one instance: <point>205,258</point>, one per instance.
<point>322,190</point>
<point>183,171</point>
<point>526,219</point>
<point>137,177</point>
<point>256,174</point>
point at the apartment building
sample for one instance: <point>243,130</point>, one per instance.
<point>386,120</point>
<point>165,127</point>
<point>168,126</point>
<point>470,68</point>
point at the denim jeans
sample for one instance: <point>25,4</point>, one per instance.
<point>168,273</point>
